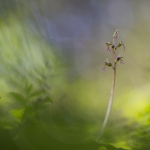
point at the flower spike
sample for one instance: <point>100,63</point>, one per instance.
<point>117,58</point>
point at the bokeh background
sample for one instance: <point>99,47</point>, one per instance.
<point>54,94</point>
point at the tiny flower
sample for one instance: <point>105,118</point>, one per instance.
<point>106,63</point>
<point>121,44</point>
<point>116,34</point>
<point>108,45</point>
<point>119,58</point>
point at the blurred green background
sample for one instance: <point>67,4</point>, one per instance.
<point>54,94</point>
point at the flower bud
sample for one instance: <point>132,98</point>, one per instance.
<point>116,34</point>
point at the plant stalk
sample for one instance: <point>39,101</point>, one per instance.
<point>109,103</point>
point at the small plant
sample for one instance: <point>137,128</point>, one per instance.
<point>111,47</point>
<point>27,104</point>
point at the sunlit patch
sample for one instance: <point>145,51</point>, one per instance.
<point>137,102</point>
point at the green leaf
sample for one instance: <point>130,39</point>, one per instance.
<point>37,93</point>
<point>18,97</point>
<point>47,99</point>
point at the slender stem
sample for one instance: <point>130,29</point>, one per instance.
<point>111,96</point>
<point>113,41</point>
<point>109,104</point>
